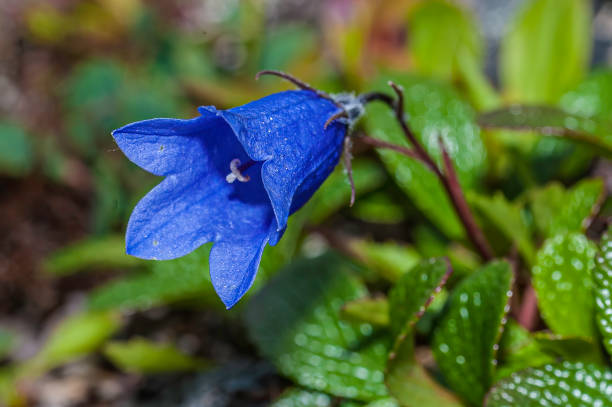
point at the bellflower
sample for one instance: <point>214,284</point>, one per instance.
<point>232,177</point>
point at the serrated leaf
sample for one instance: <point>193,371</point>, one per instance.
<point>294,321</point>
<point>433,110</point>
<point>407,381</point>
<point>389,259</point>
<point>440,31</point>
<point>466,340</point>
<point>547,50</point>
<point>562,281</point>
<point>556,210</point>
<point>183,278</point>
<point>410,296</point>
<point>108,251</point>
<point>143,356</point>
<point>552,121</point>
<point>374,311</point>
<point>335,192</point>
<point>507,217</point>
<point>563,384</point>
<point>602,278</point>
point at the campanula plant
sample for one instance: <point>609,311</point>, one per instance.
<point>233,177</point>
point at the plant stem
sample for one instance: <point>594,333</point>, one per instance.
<point>448,178</point>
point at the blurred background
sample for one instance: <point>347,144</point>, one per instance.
<point>82,324</point>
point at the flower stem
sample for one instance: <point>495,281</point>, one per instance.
<point>448,178</point>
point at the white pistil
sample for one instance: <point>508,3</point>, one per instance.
<point>235,173</point>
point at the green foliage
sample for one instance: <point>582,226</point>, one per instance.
<point>547,50</point>
<point>105,252</point>
<point>434,110</point>
<point>16,155</point>
<point>335,192</point>
<point>142,356</point>
<point>294,321</point>
<point>508,218</point>
<point>557,210</point>
<point>406,379</point>
<point>374,311</point>
<point>571,384</point>
<point>562,280</point>
<point>466,341</point>
<point>303,398</point>
<point>388,259</point>
<point>591,132</point>
<point>440,32</point>
<point>602,278</point>
<point>168,281</point>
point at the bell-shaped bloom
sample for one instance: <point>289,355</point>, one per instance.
<point>232,177</point>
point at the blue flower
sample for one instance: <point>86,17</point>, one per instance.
<point>232,177</point>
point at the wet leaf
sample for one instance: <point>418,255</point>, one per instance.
<point>551,121</point>
<point>546,51</point>
<point>440,31</point>
<point>602,278</point>
<point>592,97</point>
<point>567,384</point>
<point>143,356</point>
<point>466,341</point>
<point>106,252</point>
<point>412,294</point>
<point>562,280</point>
<point>406,379</point>
<point>294,321</point>
<point>557,210</point>
<point>433,110</point>
<point>297,397</point>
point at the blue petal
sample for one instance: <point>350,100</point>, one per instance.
<point>163,146</point>
<point>233,265</point>
<point>286,130</point>
<point>197,205</point>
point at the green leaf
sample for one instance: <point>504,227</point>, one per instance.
<point>562,384</point>
<point>105,252</point>
<point>556,210</point>
<point>507,217</point>
<point>335,192</point>
<point>552,121</point>
<point>546,51</point>
<point>591,98</point>
<point>374,311</point>
<point>143,356</point>
<point>440,31</point>
<point>408,299</point>
<point>562,280</point>
<point>296,397</point>
<point>76,337</point>
<point>183,278</point>
<point>378,208</point>
<point>410,296</point>
<point>433,109</point>
<point>466,341</point>
<point>602,278</point>
<point>294,321</point>
<point>16,156</point>
<point>389,259</point>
